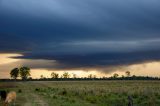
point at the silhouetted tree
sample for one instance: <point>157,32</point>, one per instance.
<point>14,73</point>
<point>24,72</point>
<point>41,77</point>
<point>128,74</point>
<point>90,76</point>
<point>54,75</point>
<point>115,75</point>
<point>122,76</point>
<point>66,75</point>
<point>134,76</point>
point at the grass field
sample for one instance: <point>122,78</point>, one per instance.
<point>85,93</point>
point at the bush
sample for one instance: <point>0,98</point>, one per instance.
<point>19,91</point>
<point>37,89</point>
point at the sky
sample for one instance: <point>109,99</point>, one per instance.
<point>99,36</point>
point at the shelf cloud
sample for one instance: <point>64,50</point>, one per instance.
<point>79,34</point>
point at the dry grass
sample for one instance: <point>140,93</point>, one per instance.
<point>87,93</point>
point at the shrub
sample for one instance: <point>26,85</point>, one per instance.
<point>19,91</point>
<point>37,89</point>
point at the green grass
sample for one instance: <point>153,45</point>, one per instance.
<point>85,93</point>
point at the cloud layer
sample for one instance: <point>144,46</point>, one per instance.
<point>86,33</point>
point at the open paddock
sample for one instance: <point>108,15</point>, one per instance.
<point>84,93</point>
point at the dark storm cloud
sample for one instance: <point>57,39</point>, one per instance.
<point>97,61</point>
<point>14,44</point>
<point>82,33</point>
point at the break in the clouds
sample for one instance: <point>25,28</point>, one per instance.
<point>81,33</point>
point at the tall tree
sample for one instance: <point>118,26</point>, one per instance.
<point>66,75</point>
<point>54,75</point>
<point>115,75</point>
<point>14,73</point>
<point>90,76</point>
<point>128,73</point>
<point>24,72</point>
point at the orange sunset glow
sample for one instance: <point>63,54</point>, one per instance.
<point>142,69</point>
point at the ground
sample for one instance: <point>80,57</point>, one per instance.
<point>84,93</point>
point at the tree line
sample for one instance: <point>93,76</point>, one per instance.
<point>24,74</point>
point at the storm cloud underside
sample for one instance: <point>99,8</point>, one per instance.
<point>79,34</point>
